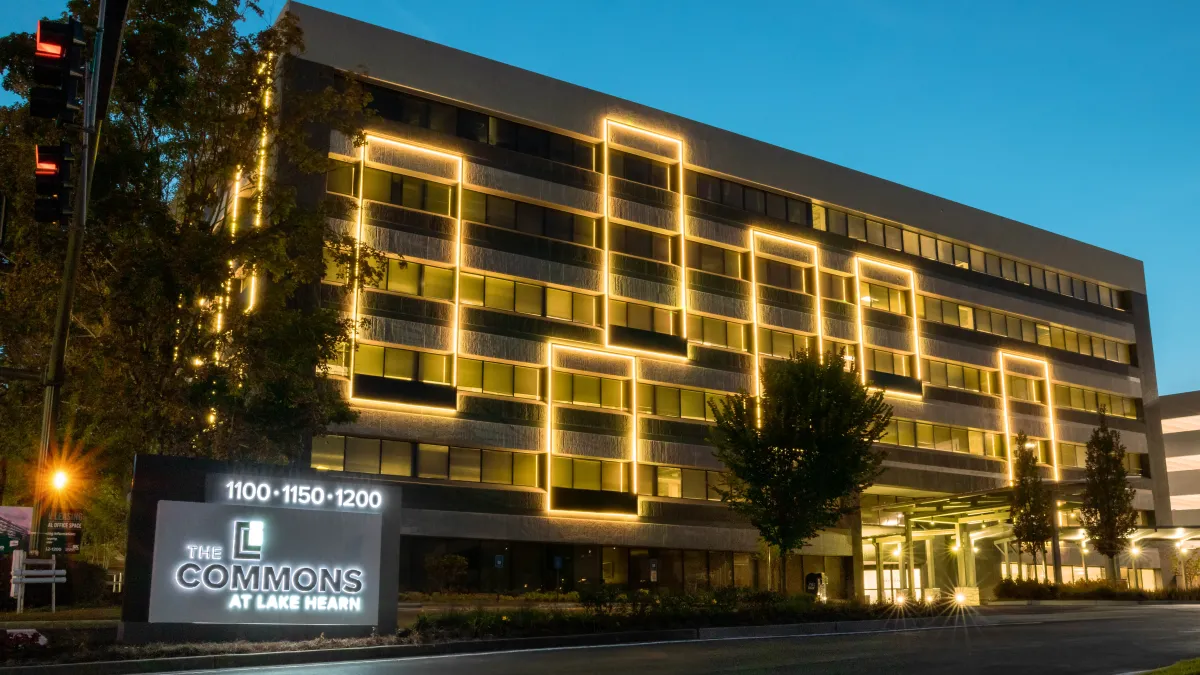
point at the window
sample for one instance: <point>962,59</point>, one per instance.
<point>641,170</point>
<point>885,298</point>
<point>501,379</point>
<point>915,434</point>
<point>784,275</point>
<point>642,243</point>
<point>643,317</point>
<point>664,401</point>
<point>342,179</point>
<point>433,461</point>
<point>1066,396</point>
<point>738,196</point>
<point>888,362</point>
<point>716,260</point>
<point>837,287</point>
<point>408,191</point>
<point>784,345</point>
<point>516,296</point>
<point>328,452</point>
<point>589,474</point>
<point>413,278</point>
<point>679,482</point>
<point>335,272</point>
<point>590,390</point>
<point>528,218</point>
<point>1072,454</point>
<point>713,331</point>
<point>955,376</point>
<point>402,364</point>
<point>397,458</point>
<point>1026,389</point>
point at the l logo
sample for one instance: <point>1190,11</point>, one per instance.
<point>247,539</point>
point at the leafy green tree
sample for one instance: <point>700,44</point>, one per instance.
<point>1107,513</point>
<point>156,360</point>
<point>1032,504</point>
<point>799,457</point>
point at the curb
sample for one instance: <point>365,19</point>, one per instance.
<point>217,661</point>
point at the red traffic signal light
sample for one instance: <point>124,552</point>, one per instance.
<point>52,178</point>
<point>58,71</point>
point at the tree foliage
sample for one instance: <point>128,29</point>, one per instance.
<point>1032,504</point>
<point>150,366</point>
<point>799,456</point>
<point>1107,513</point>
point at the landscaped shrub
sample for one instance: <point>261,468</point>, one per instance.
<point>1014,589</point>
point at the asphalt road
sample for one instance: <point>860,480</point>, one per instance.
<point>1124,640</point>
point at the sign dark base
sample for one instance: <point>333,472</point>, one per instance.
<point>138,632</point>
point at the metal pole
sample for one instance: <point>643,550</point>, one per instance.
<point>66,296</point>
<point>53,585</point>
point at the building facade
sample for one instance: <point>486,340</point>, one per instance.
<point>1181,445</point>
<point>583,274</point>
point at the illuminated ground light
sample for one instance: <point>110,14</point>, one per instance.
<point>1004,356</point>
<point>552,348</point>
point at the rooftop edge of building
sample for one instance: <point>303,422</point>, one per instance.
<point>388,56</point>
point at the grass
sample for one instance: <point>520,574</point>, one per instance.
<point>70,614</point>
<point>1189,667</point>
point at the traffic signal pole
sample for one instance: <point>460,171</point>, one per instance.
<point>98,81</point>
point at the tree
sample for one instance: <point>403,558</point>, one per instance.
<point>1107,513</point>
<point>1032,504</point>
<point>799,456</point>
<point>157,362</point>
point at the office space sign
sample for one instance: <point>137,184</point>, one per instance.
<point>231,564</point>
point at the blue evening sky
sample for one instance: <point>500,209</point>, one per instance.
<point>1080,118</point>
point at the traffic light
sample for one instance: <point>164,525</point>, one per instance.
<point>58,71</point>
<point>52,177</point>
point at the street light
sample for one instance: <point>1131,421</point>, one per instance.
<point>959,598</point>
<point>59,480</point>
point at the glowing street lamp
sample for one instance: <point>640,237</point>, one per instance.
<point>59,480</point>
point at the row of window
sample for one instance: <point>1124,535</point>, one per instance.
<point>882,361</point>
<point>885,298</point>
<point>590,390</point>
<point>915,434</point>
<point>716,260</point>
<point>713,331</point>
<point>955,376</point>
<point>402,364</point>
<point>1066,396</point>
<point>784,275</point>
<point>501,379</point>
<point>782,344</point>
<point>514,296</point>
<point>476,126</point>
<point>413,278</point>
<point>402,190</point>
<point>745,198</point>
<point>673,481</point>
<point>424,460</point>
<point>1026,389</point>
<point>1027,330</point>
<point>642,170</point>
<point>528,218</point>
<point>642,243</point>
<point>589,474</point>
<point>643,317</point>
<point>692,404</point>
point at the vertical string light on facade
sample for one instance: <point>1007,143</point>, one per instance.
<point>261,181</point>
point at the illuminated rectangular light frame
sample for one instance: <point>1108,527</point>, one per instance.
<point>858,314</point>
<point>1049,409</point>
<point>633,437</point>
<point>608,124</point>
<point>454,326</point>
<point>820,317</point>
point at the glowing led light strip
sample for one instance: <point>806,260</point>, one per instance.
<point>261,182</point>
<point>633,437</point>
<point>1049,409</point>
<point>454,326</point>
<point>609,124</point>
<point>816,260</point>
<point>858,303</point>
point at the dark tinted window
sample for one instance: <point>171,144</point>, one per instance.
<point>639,169</point>
<point>639,242</point>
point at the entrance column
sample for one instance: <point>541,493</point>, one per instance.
<point>930,568</point>
<point>961,560</point>
<point>1007,573</point>
<point>910,575</point>
<point>1055,550</point>
<point>856,546</point>
<point>879,594</point>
